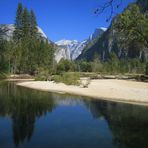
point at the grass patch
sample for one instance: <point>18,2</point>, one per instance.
<point>68,78</point>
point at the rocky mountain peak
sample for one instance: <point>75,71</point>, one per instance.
<point>71,49</point>
<point>97,33</point>
<point>7,30</point>
<point>66,42</point>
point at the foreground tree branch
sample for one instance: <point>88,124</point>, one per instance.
<point>110,4</point>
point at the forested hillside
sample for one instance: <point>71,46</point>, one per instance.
<point>27,51</point>
<point>127,36</point>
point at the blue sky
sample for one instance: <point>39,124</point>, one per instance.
<point>61,19</point>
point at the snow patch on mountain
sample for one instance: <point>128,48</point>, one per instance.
<point>71,49</point>
<point>65,42</point>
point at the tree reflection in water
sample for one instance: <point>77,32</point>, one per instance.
<point>24,107</point>
<point>127,122</point>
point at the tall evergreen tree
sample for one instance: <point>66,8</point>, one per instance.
<point>26,23</point>
<point>18,23</point>
<point>33,24</point>
<point>3,56</point>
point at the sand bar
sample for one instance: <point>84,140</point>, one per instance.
<point>15,80</point>
<point>115,90</point>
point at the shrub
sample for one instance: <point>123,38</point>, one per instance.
<point>41,78</point>
<point>67,78</point>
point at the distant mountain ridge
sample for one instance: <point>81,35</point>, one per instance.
<point>71,49</point>
<point>67,49</point>
<point>8,29</point>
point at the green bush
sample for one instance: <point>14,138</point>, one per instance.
<point>67,78</point>
<point>41,78</point>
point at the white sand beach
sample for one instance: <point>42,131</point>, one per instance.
<point>115,90</point>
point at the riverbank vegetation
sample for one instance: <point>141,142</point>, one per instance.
<point>112,66</point>
<point>69,78</point>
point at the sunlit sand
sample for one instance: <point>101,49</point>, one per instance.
<point>117,90</point>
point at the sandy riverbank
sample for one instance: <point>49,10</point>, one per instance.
<point>117,90</point>
<point>15,80</point>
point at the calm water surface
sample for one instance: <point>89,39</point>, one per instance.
<point>34,119</point>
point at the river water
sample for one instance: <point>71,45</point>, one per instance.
<point>34,119</point>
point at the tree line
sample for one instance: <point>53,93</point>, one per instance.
<point>27,52</point>
<point>114,65</point>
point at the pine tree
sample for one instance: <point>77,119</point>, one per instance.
<point>16,50</point>
<point>3,56</point>
<point>26,23</point>
<point>18,23</point>
<point>33,24</point>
